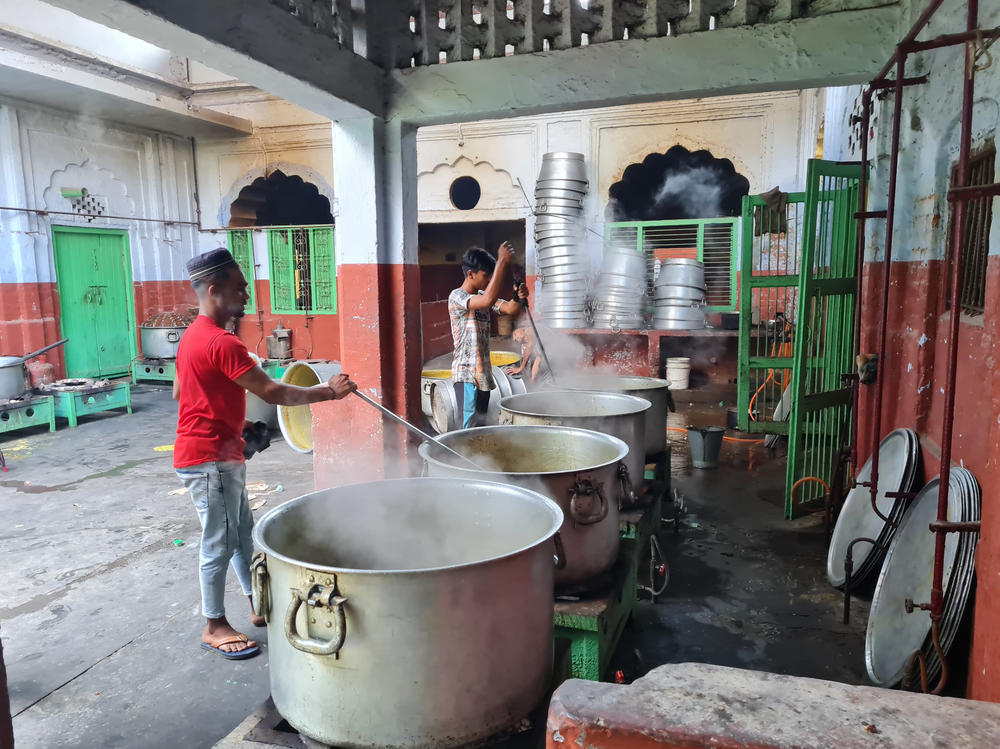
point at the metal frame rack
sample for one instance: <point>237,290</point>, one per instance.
<point>974,41</point>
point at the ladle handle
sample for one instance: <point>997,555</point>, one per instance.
<point>33,354</point>
<point>419,432</point>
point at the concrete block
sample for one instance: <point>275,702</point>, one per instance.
<point>692,705</point>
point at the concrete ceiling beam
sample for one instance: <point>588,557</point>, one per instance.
<point>258,42</point>
<point>832,50</point>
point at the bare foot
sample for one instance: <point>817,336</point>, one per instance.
<point>217,630</point>
<point>255,619</point>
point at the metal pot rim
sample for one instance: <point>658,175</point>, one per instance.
<point>424,449</point>
<point>635,402</point>
<point>460,484</point>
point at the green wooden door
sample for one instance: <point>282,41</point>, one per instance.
<point>94,280</point>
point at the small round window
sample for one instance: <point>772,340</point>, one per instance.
<point>465,193</point>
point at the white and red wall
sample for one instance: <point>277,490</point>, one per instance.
<point>913,368</point>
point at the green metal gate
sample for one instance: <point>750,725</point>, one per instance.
<point>801,263</point>
<point>824,347</point>
<point>771,252</point>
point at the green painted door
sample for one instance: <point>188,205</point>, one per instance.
<point>94,279</point>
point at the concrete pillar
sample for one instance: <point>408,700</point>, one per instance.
<point>378,303</point>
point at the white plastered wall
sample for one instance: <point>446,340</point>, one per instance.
<point>137,174</point>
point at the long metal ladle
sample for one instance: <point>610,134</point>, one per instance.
<point>418,432</point>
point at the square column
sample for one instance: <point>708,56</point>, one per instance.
<point>378,293</point>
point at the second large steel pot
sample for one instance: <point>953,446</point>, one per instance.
<point>408,613</point>
<point>621,416</point>
<point>653,389</point>
<point>577,468</point>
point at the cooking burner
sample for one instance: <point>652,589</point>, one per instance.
<point>75,384</point>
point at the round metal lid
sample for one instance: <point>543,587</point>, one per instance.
<point>897,463</point>
<point>893,635</point>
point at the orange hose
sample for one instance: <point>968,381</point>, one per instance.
<point>805,480</point>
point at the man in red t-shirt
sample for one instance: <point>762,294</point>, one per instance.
<point>214,371</point>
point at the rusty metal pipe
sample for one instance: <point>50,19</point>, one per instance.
<point>890,221</point>
<point>849,570</point>
<point>950,40</point>
<point>956,270</point>
<point>948,527</point>
<point>911,35</point>
<point>859,266</point>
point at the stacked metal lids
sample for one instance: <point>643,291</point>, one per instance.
<point>894,635</point>
<point>679,295</point>
<point>563,265</point>
<point>898,459</point>
<point>619,301</point>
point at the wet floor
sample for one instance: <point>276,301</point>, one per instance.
<point>747,588</point>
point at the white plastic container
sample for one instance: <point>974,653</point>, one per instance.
<point>679,372</point>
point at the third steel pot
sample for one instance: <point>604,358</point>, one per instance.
<point>576,468</point>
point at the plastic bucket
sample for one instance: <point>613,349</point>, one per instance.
<point>705,444</point>
<point>295,422</point>
<point>679,372</point>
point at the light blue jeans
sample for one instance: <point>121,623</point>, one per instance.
<point>219,493</point>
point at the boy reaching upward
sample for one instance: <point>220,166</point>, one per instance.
<point>469,309</point>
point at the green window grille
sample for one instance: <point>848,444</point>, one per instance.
<point>241,247</point>
<point>712,241</point>
<point>303,270</point>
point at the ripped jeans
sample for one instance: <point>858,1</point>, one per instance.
<point>219,493</point>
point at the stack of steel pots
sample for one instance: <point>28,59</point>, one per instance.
<point>563,266</point>
<point>680,295</point>
<point>620,294</point>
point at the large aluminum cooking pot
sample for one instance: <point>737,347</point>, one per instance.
<point>160,343</point>
<point>410,612</point>
<point>577,468</point>
<point>653,389</point>
<point>621,416</point>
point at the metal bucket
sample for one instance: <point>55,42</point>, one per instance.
<point>295,422</point>
<point>577,468</point>
<point>705,444</point>
<point>408,613</point>
<point>621,416</point>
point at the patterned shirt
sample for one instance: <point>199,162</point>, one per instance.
<point>470,332</point>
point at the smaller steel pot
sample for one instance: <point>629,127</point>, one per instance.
<point>160,343</point>
<point>13,377</point>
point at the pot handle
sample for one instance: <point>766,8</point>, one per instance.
<point>587,488</point>
<point>559,558</point>
<point>173,336</point>
<point>317,597</point>
<point>259,585</point>
<point>626,492</point>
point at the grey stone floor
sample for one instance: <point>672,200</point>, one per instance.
<point>99,609</point>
